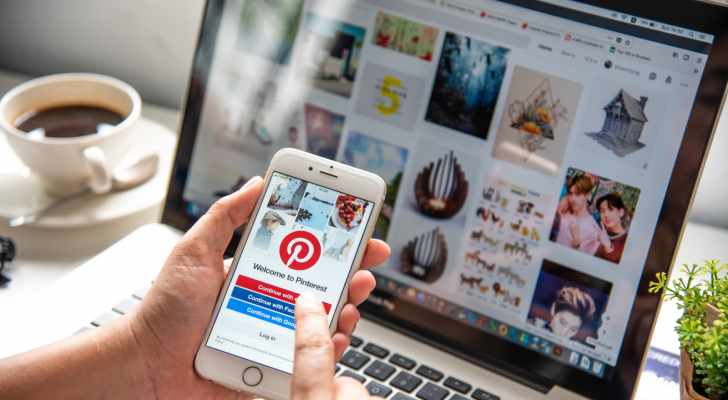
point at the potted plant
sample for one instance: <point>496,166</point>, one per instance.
<point>702,329</point>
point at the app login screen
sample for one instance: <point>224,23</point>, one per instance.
<point>305,237</point>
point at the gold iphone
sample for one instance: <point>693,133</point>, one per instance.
<point>308,231</point>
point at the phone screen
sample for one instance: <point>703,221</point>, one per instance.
<point>304,237</point>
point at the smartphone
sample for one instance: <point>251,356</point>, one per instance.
<point>308,231</point>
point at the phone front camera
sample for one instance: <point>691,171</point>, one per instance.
<point>310,168</point>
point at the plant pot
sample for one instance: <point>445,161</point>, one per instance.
<point>686,380</point>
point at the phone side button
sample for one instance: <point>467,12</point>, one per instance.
<point>252,376</point>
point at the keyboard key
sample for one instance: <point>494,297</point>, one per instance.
<point>405,381</point>
<point>84,329</point>
<point>432,392</point>
<point>400,396</point>
<point>458,385</point>
<point>373,349</point>
<point>141,292</point>
<point>480,394</point>
<point>105,319</point>
<point>429,373</point>
<point>125,306</point>
<point>355,341</point>
<point>379,370</point>
<point>376,389</point>
<point>457,397</point>
<point>353,375</point>
<point>403,362</point>
<point>336,369</point>
<point>354,360</point>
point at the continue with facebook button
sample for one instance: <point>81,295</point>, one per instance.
<point>263,301</point>
<point>261,313</point>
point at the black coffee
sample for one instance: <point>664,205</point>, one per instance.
<point>68,121</point>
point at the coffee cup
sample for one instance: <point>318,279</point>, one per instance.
<point>73,162</point>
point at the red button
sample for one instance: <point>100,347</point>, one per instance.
<point>271,290</point>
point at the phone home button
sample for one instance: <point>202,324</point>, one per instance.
<point>252,376</point>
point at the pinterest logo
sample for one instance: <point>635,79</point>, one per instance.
<point>300,250</point>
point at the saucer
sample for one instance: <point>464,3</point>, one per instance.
<point>22,192</point>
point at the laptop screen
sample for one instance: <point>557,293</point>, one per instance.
<point>527,148</point>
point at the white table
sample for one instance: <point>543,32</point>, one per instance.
<point>46,255</point>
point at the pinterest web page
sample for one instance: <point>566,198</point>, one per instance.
<point>526,155</point>
<point>304,238</point>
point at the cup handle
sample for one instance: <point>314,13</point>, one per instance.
<point>100,173</point>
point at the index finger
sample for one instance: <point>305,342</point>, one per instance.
<point>375,254</point>
<point>313,366</point>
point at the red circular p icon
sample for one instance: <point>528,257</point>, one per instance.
<point>300,250</point>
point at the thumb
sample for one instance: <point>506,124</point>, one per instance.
<point>217,225</point>
<point>313,366</point>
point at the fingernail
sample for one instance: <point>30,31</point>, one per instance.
<point>308,297</point>
<point>251,181</point>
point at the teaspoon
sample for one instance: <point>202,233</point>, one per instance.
<point>124,178</point>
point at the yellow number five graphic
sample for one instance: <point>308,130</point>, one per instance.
<point>388,92</point>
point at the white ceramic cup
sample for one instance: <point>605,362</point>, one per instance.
<point>70,165</point>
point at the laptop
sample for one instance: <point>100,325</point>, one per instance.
<point>540,156</point>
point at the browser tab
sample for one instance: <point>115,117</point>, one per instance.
<point>545,31</point>
<point>462,7</point>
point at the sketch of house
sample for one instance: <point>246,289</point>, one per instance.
<point>623,124</point>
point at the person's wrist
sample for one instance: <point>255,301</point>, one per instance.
<point>139,354</point>
<point>118,344</point>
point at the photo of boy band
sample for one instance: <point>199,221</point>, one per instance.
<point>568,303</point>
<point>594,215</point>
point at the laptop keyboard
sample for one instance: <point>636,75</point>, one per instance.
<point>386,375</point>
<point>118,310</point>
<point>392,376</point>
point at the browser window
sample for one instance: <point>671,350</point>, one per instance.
<point>526,152</point>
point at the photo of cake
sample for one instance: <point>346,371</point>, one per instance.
<point>348,210</point>
<point>348,213</point>
<point>425,257</point>
<point>441,188</point>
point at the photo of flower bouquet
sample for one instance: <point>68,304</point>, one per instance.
<point>536,117</point>
<point>539,106</point>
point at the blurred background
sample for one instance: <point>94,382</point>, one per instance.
<point>150,45</point>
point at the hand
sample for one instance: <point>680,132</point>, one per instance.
<point>313,369</point>
<point>150,352</point>
<point>171,321</point>
<point>604,237</point>
<point>574,226</point>
<point>564,208</point>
